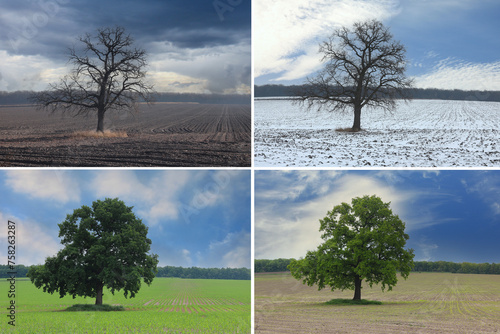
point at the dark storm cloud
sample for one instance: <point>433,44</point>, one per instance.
<point>202,35</point>
<point>48,25</point>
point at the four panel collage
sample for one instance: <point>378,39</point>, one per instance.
<point>237,166</point>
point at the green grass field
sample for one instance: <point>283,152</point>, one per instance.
<point>169,305</point>
<point>425,303</point>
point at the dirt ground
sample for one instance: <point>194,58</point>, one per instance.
<point>425,303</point>
<point>164,134</point>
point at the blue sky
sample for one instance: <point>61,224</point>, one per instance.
<point>450,215</point>
<point>194,46</point>
<point>195,217</point>
<point>451,44</point>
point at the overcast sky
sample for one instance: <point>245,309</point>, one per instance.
<point>451,44</point>
<point>195,218</point>
<point>194,46</point>
<point>449,215</point>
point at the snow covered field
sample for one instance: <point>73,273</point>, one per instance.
<point>421,133</point>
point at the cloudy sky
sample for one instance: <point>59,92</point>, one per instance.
<point>195,218</point>
<point>450,215</point>
<point>451,44</point>
<point>194,46</point>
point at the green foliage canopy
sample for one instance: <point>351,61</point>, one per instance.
<point>105,245</point>
<point>362,241</point>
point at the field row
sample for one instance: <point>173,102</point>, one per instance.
<point>151,311</point>
<point>425,303</point>
<point>193,301</point>
<point>198,309</point>
<point>181,135</point>
<point>419,134</point>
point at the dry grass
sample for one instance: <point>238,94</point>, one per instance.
<point>95,134</point>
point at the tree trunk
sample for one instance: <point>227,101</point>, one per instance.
<point>100,120</point>
<point>357,118</point>
<point>98,298</point>
<point>357,288</point>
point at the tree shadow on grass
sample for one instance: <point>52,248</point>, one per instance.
<point>94,308</point>
<point>342,302</point>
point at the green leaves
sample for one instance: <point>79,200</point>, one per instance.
<point>362,240</point>
<point>106,245</point>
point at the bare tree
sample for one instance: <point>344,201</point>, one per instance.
<point>364,67</point>
<point>108,74</point>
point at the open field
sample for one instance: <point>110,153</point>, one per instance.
<point>164,134</point>
<point>425,303</point>
<point>422,133</point>
<point>169,305</point>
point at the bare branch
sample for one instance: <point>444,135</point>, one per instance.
<point>363,66</point>
<point>107,74</point>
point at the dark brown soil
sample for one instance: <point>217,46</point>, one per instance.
<point>180,135</point>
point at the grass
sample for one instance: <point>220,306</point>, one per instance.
<point>95,308</point>
<point>95,134</point>
<point>341,301</point>
<point>169,305</point>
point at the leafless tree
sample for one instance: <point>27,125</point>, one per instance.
<point>364,67</point>
<point>108,74</point>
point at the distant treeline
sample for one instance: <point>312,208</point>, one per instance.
<point>420,266</point>
<point>20,271</point>
<point>168,271</point>
<point>416,93</point>
<point>21,97</point>
<point>206,273</point>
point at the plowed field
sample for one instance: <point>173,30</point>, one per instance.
<point>425,303</point>
<point>422,133</point>
<point>159,135</point>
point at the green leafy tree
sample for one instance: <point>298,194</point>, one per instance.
<point>362,241</point>
<point>105,245</point>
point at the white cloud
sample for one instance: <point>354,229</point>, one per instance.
<point>231,252</point>
<point>28,72</point>
<point>450,73</point>
<point>495,206</point>
<point>157,199</point>
<point>287,32</point>
<point>218,69</point>
<point>214,69</point>
<point>186,257</point>
<point>428,174</point>
<point>486,186</point>
<point>427,249</point>
<point>175,257</point>
<point>50,185</point>
<point>120,183</point>
<point>289,228</point>
<point>33,243</point>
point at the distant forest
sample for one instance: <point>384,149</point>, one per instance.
<point>21,97</point>
<point>280,265</point>
<point>416,93</point>
<point>168,271</point>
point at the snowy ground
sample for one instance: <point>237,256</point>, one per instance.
<point>422,133</point>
